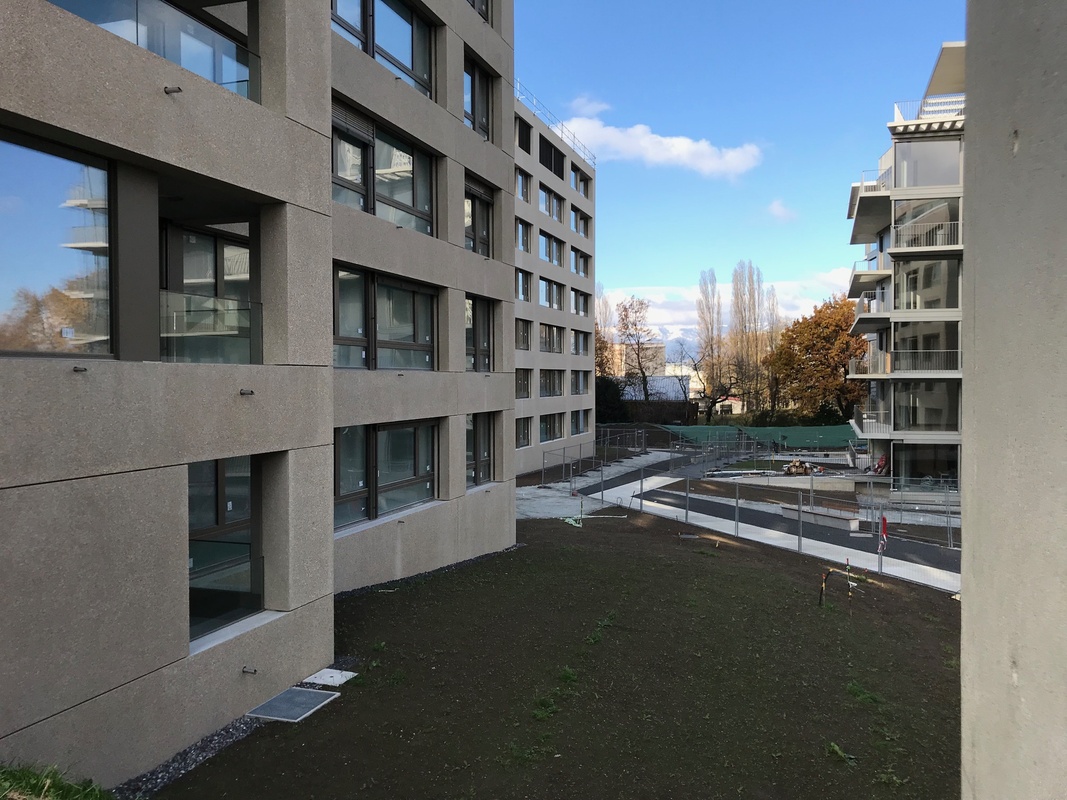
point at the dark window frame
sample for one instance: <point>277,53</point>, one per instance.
<point>479,333</point>
<point>579,262</point>
<point>482,7</point>
<point>478,207</point>
<point>523,380</point>
<point>523,134</point>
<point>550,382</point>
<point>479,461</point>
<point>552,158</point>
<point>523,236</point>
<point>550,294</point>
<point>551,338</point>
<point>580,381</point>
<point>522,440</point>
<point>479,115</point>
<point>363,36</point>
<point>550,203</point>
<point>523,333</point>
<point>555,426</point>
<point>371,342</point>
<point>523,285</point>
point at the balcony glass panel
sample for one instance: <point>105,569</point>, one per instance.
<point>928,336</point>
<point>931,467</point>
<point>922,285</point>
<point>926,406</point>
<point>208,330</point>
<point>174,35</point>
<point>928,162</point>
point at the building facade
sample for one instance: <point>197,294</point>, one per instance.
<point>256,314</point>
<point>908,288</point>
<point>555,231</point>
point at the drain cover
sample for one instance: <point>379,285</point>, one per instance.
<point>293,705</point>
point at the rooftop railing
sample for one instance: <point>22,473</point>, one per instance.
<point>554,122</point>
<point>940,106</point>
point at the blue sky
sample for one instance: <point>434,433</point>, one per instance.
<point>782,105</point>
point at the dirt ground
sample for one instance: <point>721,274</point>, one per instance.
<point>620,661</point>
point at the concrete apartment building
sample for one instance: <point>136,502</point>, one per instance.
<point>1014,641</point>
<point>555,230</point>
<point>908,288</point>
<point>231,384</point>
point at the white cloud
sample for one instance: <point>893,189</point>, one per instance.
<point>778,210</point>
<point>585,106</point>
<point>639,143</point>
<point>10,203</point>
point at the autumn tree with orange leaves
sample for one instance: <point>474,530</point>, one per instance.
<point>811,360</point>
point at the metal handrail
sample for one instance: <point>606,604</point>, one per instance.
<point>873,180</point>
<point>926,360</point>
<point>939,106</point>
<point>566,134</point>
<point>874,303</point>
<point>927,234</point>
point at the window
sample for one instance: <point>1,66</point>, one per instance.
<point>579,181</point>
<point>382,468</point>
<point>400,173</point>
<point>579,262</point>
<point>551,338</point>
<point>482,7</point>
<point>225,563</point>
<point>522,334</point>
<point>382,323</point>
<point>579,382</point>
<point>522,185</point>
<point>551,157</point>
<point>551,427</point>
<point>579,303</point>
<point>522,431</point>
<point>347,20</point>
<point>523,378</point>
<point>551,383</point>
<point>477,218</point>
<point>579,343</point>
<point>551,249</point>
<point>523,236</point>
<point>522,134</point>
<point>400,38</point>
<point>579,422</point>
<point>579,222</point>
<point>55,291</point>
<point>523,285</point>
<point>926,284</point>
<point>551,203</point>
<point>928,162</point>
<point>479,323</point>
<point>551,294</point>
<point>205,313</point>
<point>477,85</point>
<point>927,222</point>
<point>479,449</point>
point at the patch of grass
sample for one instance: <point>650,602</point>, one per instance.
<point>953,663</point>
<point>396,677</point>
<point>515,753</point>
<point>863,695</point>
<point>887,777</point>
<point>598,631</point>
<point>833,749</point>
<point>568,675</point>
<point>378,647</point>
<point>545,708</point>
<point>45,783</point>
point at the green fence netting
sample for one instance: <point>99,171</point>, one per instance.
<point>793,437</point>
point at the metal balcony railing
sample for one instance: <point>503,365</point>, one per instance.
<point>176,36</point>
<point>927,360</point>
<point>927,234</point>
<point>934,107</point>
<point>876,362</point>
<point>873,419</point>
<point>874,180</point>
<point>209,330</point>
<point>566,134</point>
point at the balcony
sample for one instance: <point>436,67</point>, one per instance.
<point>926,361</point>
<point>872,311</point>
<point>869,205</point>
<point>872,420</point>
<point>176,36</point>
<point>876,363</point>
<point>930,235</point>
<point>866,275</point>
<point>934,107</point>
<point>195,329</point>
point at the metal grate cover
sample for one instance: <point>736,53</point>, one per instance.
<point>293,705</point>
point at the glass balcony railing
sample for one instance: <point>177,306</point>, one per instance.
<point>209,330</point>
<point>176,36</point>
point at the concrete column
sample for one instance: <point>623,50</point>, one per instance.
<point>451,223</point>
<point>135,263</point>
<point>504,446</point>
<point>452,331</point>
<point>296,526</point>
<point>296,285</point>
<point>449,71</point>
<point>452,463</point>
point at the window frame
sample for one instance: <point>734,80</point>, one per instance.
<point>550,382</point>
<point>479,117</point>
<point>580,302</point>
<point>576,337</point>
<point>553,247</point>
<point>479,348</point>
<point>550,294</point>
<point>479,454</point>
<point>374,486</point>
<point>478,207</point>
<point>523,333</point>
<point>551,157</point>
<point>371,342</point>
<point>523,381</point>
<point>523,135</point>
<point>481,7</point>
<point>523,285</point>
<point>555,425</point>
<point>364,36</point>
<point>550,203</point>
<point>523,236</point>
<point>522,441</point>
<point>579,262</point>
<point>580,382</point>
<point>523,179</point>
<point>550,338</point>
<point>580,415</point>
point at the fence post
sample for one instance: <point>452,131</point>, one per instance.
<point>686,499</point>
<point>737,509</point>
<point>800,521</point>
<point>544,457</point>
<point>811,493</point>
<point>948,519</point>
<point>602,466</point>
<point>641,491</point>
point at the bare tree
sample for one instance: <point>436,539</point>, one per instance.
<point>747,336</point>
<point>639,342</point>
<point>603,333</point>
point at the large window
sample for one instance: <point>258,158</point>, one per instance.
<point>479,449</point>
<point>579,381</point>
<point>551,427</point>
<point>929,222</point>
<point>522,185</point>
<point>523,236</point>
<point>934,467</point>
<point>551,294</point>
<point>206,315</point>
<point>928,162</point>
<point>551,157</point>
<point>379,469</point>
<point>551,381</point>
<point>579,303</point>
<point>401,175</point>
<point>523,379</point>
<point>55,294</point>
<point>225,565</point>
<point>926,406</point>
<point>926,284</point>
<point>523,130</point>
<point>477,89</point>
<point>523,285</point>
<point>551,338</point>
<point>477,218</point>
<point>479,334</point>
<point>523,329</point>
<point>398,37</point>
<point>522,431</point>
<point>579,422</point>
<point>482,7</point>
<point>579,181</point>
<point>579,222</point>
<point>382,323</point>
<point>579,343</point>
<point>551,249</point>
<point>550,203</point>
<point>579,262</point>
